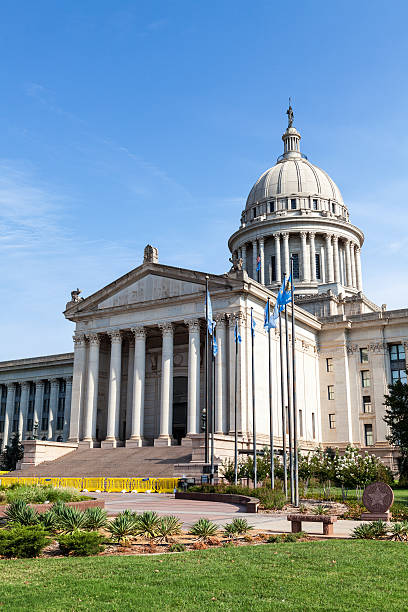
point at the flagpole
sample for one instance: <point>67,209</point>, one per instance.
<point>272,466</point>
<point>285,467</point>
<point>253,402</point>
<point>235,407</point>
<point>295,419</point>
<point>292,497</point>
<point>212,407</point>
<point>206,371</point>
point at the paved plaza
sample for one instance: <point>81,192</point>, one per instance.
<point>189,511</point>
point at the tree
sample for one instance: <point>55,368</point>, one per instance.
<point>12,454</point>
<point>396,417</point>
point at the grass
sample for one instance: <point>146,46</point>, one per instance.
<point>324,575</point>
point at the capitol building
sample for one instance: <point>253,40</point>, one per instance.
<point>136,376</point>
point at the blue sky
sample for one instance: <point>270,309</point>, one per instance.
<point>132,122</point>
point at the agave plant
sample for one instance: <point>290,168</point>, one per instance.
<point>147,524</point>
<point>204,529</point>
<point>49,520</point>
<point>123,527</point>
<point>399,532</point>
<point>363,532</point>
<point>95,518</point>
<point>239,526</point>
<point>19,512</point>
<point>71,519</point>
<point>320,509</point>
<point>379,528</point>
<point>168,526</point>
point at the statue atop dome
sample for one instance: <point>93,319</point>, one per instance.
<point>290,115</point>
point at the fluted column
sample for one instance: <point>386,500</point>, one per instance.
<point>129,386</point>
<point>112,429</point>
<point>221,399</point>
<point>53,408</point>
<point>336,259</point>
<point>358,269</point>
<point>262,256</point>
<point>329,258</point>
<point>193,401</point>
<point>278,258</point>
<point>22,420</point>
<point>91,400</point>
<point>312,236</point>
<point>166,407</point>
<point>38,403</point>
<point>286,268</point>
<point>353,265</point>
<point>349,278</point>
<point>254,258</point>
<point>67,407</point>
<point>244,257</point>
<point>78,385</point>
<point>305,263</point>
<point>139,376</point>
<point>8,417</point>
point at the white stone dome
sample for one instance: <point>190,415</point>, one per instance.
<point>293,176</point>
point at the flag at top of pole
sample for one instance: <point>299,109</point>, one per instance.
<point>258,263</point>
<point>269,320</point>
<point>285,293</point>
<point>237,336</point>
<point>210,322</point>
<point>253,323</point>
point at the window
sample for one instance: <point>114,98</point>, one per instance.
<point>295,258</point>
<point>333,208</point>
<point>273,268</point>
<point>254,212</point>
<point>314,205</point>
<point>367,404</point>
<point>399,375</point>
<point>317,260</point>
<point>363,355</point>
<point>397,352</point>
<point>332,421</point>
<point>293,204</point>
<point>301,423</point>
<point>329,364</point>
<point>365,379</point>
<point>271,207</point>
<point>330,392</point>
<point>313,425</point>
<point>368,434</point>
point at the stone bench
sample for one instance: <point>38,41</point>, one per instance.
<point>298,519</point>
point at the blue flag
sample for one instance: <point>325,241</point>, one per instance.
<point>237,336</point>
<point>269,320</point>
<point>210,322</point>
<point>258,263</point>
<point>285,293</point>
<point>253,323</point>
<point>214,345</point>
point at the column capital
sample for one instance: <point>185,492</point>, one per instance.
<point>358,249</point>
<point>277,236</point>
<point>26,384</point>
<point>193,325</point>
<point>312,235</point>
<point>303,235</point>
<point>167,328</point>
<point>328,236</point>
<point>261,240</point>
<point>68,380</point>
<point>138,332</point>
<point>54,381</point>
<point>335,238</point>
<point>236,316</point>
<point>285,235</point>
<point>11,385</point>
<point>39,383</point>
<point>94,339</point>
<point>220,319</point>
<point>79,340</point>
<point>115,335</point>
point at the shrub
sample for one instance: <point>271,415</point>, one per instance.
<point>168,526</point>
<point>38,494</point>
<point>71,519</point>
<point>239,526</point>
<point>290,537</point>
<point>363,532</point>
<point>399,532</point>
<point>204,529</point>
<point>273,539</point>
<point>18,512</point>
<point>22,542</point>
<point>81,543</point>
<point>399,511</point>
<point>379,529</point>
<point>122,527</point>
<point>320,509</point>
<point>148,523</point>
<point>95,518</point>
<point>177,547</point>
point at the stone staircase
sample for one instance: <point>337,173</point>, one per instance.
<point>113,462</point>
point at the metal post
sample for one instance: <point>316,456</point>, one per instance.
<point>236,409</point>
<point>212,408</point>
<point>295,419</point>
<point>253,403</point>
<point>292,492</point>
<point>271,441</point>
<point>285,467</point>
<point>206,371</point>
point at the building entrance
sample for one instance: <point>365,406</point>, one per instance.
<point>179,408</point>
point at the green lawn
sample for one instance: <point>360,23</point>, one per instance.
<point>326,575</point>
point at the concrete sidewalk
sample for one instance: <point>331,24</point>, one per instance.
<point>189,511</point>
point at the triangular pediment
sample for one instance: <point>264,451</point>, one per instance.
<point>151,287</point>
